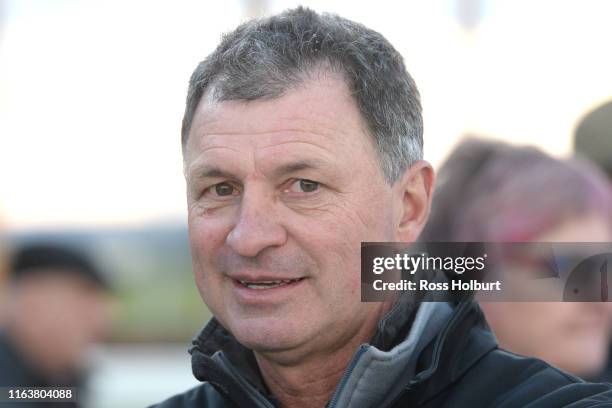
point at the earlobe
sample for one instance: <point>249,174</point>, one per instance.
<point>414,193</point>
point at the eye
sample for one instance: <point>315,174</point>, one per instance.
<point>222,189</point>
<point>308,186</point>
<point>303,186</point>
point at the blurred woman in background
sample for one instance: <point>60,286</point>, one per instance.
<point>493,192</point>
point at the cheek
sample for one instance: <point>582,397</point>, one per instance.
<point>554,317</point>
<point>528,320</point>
<point>206,236</point>
<point>370,216</point>
<point>73,332</point>
<point>337,252</point>
<point>334,243</point>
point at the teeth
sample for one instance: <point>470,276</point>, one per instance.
<point>267,284</point>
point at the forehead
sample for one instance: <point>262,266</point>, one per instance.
<point>321,112</point>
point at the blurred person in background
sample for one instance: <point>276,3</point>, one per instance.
<point>593,137</point>
<point>57,307</point>
<point>593,141</point>
<point>493,192</point>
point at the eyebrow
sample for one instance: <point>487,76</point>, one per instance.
<point>300,165</point>
<point>216,172</point>
<point>211,171</point>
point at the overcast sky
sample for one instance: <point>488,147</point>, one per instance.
<point>92,93</point>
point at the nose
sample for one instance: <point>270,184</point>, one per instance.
<point>256,228</point>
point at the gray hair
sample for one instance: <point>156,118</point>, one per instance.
<point>263,59</point>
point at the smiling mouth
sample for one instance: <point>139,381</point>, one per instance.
<point>268,284</point>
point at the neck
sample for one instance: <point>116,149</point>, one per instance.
<point>310,381</point>
<point>303,386</point>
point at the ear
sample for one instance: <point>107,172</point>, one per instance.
<point>413,191</point>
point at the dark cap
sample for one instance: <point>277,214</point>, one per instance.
<point>33,259</point>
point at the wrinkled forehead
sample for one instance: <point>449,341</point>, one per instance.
<point>321,111</point>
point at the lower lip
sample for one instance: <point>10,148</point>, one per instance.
<point>276,293</point>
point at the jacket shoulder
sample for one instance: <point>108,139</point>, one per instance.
<point>201,396</point>
<point>505,379</point>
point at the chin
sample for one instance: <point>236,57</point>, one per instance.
<point>267,334</point>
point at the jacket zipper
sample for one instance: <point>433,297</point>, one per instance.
<point>334,401</point>
<point>424,375</point>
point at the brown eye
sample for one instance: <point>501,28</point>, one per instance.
<point>224,189</point>
<point>308,186</point>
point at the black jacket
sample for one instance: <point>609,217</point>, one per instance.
<point>456,365</point>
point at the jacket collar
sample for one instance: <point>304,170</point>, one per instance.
<point>214,338</point>
<point>464,340</point>
<point>461,342</point>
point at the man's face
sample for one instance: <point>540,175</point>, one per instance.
<point>280,194</point>
<point>84,310</point>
